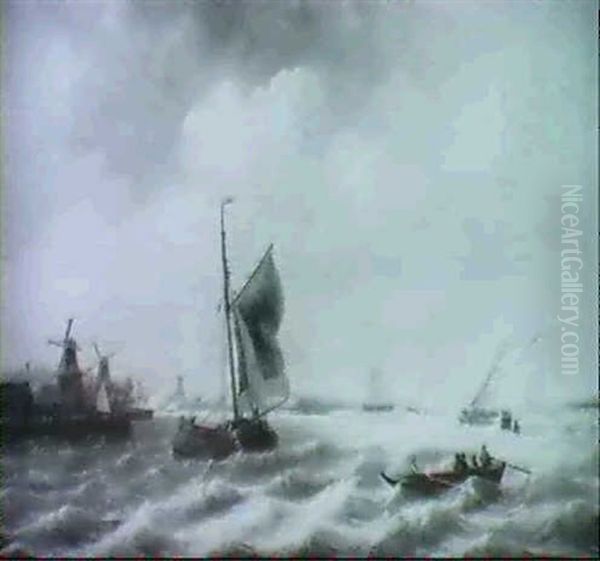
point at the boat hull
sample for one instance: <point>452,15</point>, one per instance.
<point>478,416</point>
<point>139,414</point>
<point>371,408</point>
<point>204,442</point>
<point>255,435</point>
<point>439,482</point>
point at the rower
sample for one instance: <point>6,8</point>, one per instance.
<point>474,462</point>
<point>465,463</point>
<point>413,464</point>
<point>458,465</point>
<point>516,427</point>
<point>485,457</point>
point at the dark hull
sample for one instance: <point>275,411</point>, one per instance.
<point>72,428</point>
<point>437,482</point>
<point>220,441</point>
<point>478,416</point>
<point>255,436</point>
<point>377,408</point>
<point>140,414</point>
<point>204,442</point>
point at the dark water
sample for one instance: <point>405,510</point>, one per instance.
<point>318,494</point>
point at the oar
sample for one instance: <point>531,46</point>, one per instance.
<point>389,480</point>
<point>519,468</point>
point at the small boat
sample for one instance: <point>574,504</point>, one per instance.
<point>140,414</point>
<point>258,383</point>
<point>203,442</point>
<point>473,415</point>
<point>436,482</point>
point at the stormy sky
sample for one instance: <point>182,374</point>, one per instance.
<point>406,158</point>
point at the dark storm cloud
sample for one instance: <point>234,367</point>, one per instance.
<point>359,136</point>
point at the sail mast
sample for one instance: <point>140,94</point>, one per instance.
<point>228,307</point>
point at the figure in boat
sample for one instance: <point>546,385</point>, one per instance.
<point>257,379</point>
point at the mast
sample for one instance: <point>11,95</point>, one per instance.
<point>224,203</point>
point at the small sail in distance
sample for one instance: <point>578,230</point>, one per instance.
<point>102,403</point>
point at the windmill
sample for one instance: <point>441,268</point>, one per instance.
<point>68,360</point>
<point>103,375</point>
<point>69,374</point>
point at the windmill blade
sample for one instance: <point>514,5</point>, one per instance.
<point>98,354</point>
<point>57,343</point>
<point>68,331</point>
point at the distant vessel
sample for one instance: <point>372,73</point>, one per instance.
<point>120,397</point>
<point>476,413</point>
<point>375,401</point>
<point>258,383</point>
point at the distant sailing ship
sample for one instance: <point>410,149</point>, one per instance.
<point>376,401</point>
<point>258,383</point>
<point>476,413</point>
<point>120,397</point>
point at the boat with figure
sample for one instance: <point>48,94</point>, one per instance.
<point>435,482</point>
<point>257,380</point>
<point>376,401</point>
<point>71,413</point>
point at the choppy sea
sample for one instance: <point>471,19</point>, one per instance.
<point>318,494</point>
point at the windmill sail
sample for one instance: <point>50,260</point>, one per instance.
<point>257,314</point>
<point>102,403</point>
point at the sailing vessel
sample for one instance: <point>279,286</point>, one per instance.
<point>375,401</point>
<point>476,413</point>
<point>102,401</point>
<point>258,383</point>
<point>121,399</point>
<point>139,410</point>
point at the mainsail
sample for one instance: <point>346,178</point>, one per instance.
<point>257,313</point>
<point>102,403</point>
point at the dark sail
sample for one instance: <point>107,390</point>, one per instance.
<point>258,311</point>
